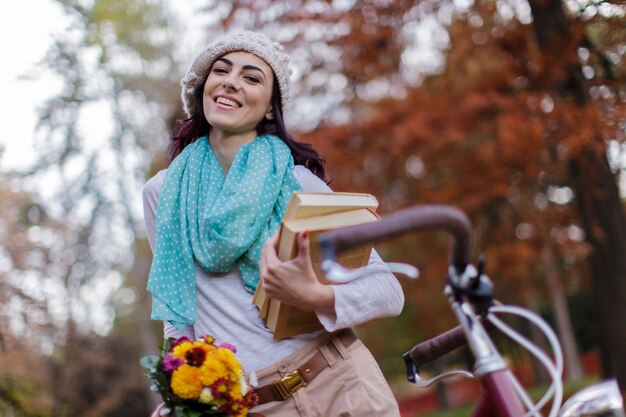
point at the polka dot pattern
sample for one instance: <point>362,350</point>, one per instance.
<point>216,221</point>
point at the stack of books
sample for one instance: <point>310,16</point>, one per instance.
<point>315,213</point>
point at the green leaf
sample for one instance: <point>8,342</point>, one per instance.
<point>150,362</point>
<point>166,346</point>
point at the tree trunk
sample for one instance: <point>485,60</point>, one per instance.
<point>573,368</point>
<point>148,342</point>
<point>537,337</point>
<point>597,195</point>
<point>604,222</point>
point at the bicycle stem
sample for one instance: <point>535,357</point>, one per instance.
<point>487,357</point>
<point>500,397</point>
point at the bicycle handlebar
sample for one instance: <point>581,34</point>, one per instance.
<point>442,344</point>
<point>423,217</point>
<point>438,346</point>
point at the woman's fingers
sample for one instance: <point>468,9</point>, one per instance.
<point>268,254</point>
<point>273,240</point>
<point>304,247</point>
<point>293,281</point>
<point>268,262</point>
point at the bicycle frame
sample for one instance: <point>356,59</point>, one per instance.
<point>499,397</point>
<point>467,292</point>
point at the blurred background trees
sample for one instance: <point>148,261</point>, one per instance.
<point>512,110</point>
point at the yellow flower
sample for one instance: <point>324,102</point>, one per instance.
<point>212,369</point>
<point>236,391</point>
<point>181,350</point>
<point>186,382</point>
<point>184,350</point>
<point>227,357</point>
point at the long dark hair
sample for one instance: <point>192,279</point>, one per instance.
<point>193,128</point>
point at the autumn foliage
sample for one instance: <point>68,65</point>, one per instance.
<point>523,101</point>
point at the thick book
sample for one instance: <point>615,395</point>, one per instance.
<point>261,300</point>
<point>286,320</point>
<point>311,204</point>
<point>307,204</point>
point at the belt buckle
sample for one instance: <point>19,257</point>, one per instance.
<point>289,384</point>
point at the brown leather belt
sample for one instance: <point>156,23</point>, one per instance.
<point>283,388</point>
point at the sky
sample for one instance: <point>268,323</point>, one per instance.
<point>26,28</point>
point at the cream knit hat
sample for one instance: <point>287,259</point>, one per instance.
<point>255,43</point>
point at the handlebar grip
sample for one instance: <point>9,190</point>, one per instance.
<point>432,216</point>
<point>438,346</point>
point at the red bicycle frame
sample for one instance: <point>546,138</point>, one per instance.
<point>498,398</point>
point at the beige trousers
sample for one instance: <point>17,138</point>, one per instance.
<point>351,385</point>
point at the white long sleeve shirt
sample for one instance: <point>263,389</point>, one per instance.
<point>225,310</point>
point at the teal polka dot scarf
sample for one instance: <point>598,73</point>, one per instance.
<point>215,220</point>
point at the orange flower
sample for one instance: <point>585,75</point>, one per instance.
<point>186,382</point>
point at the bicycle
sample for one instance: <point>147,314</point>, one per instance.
<point>470,294</point>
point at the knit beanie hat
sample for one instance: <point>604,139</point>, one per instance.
<point>260,45</point>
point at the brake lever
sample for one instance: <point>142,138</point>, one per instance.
<point>412,374</point>
<point>339,274</point>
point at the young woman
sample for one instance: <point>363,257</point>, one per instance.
<point>211,219</point>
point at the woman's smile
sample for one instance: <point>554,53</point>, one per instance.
<point>227,101</point>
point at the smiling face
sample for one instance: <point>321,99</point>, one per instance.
<point>237,93</point>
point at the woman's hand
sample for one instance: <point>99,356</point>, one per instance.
<point>294,282</point>
<point>156,412</point>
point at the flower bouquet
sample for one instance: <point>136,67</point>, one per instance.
<point>198,379</point>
